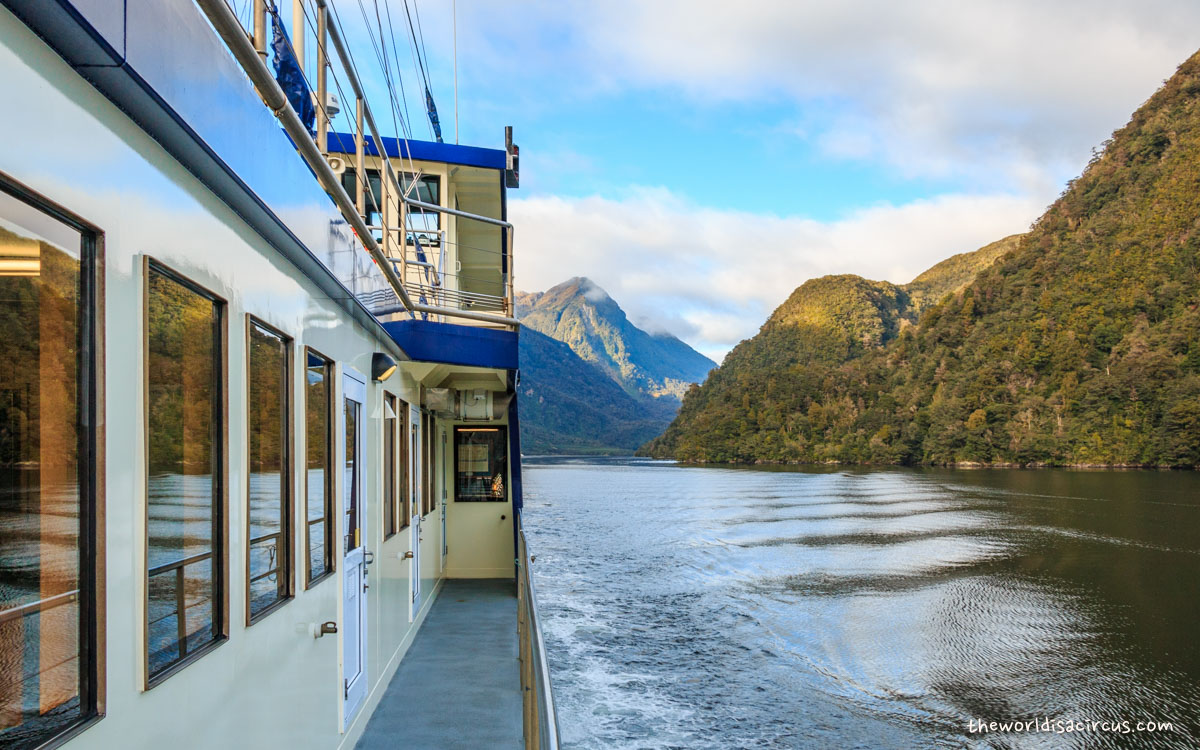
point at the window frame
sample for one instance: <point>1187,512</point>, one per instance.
<point>286,556</point>
<point>411,233</point>
<point>405,463</point>
<point>330,507</point>
<point>91,461</point>
<point>502,429</point>
<point>220,546</point>
<point>428,504</point>
<point>390,526</point>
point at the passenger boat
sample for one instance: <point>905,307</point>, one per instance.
<point>257,399</point>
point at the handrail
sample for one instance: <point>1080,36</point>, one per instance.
<point>230,29</point>
<point>181,607</point>
<point>541,718</point>
<point>198,557</point>
<point>41,605</point>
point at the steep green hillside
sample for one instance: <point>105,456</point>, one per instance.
<point>583,316</point>
<point>1080,346</point>
<point>569,406</point>
<point>954,273</point>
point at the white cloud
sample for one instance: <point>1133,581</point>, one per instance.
<point>1011,92</point>
<point>712,276</point>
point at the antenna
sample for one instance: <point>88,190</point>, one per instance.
<point>454,25</point>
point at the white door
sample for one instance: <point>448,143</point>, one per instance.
<point>414,499</point>
<point>354,558</point>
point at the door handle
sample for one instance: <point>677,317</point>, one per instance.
<point>369,558</point>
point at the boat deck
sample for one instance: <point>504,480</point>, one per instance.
<point>459,685</point>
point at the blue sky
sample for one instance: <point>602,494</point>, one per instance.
<point>701,159</point>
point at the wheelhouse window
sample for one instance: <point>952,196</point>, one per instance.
<point>269,518</point>
<point>395,511</point>
<point>185,584</point>
<point>48,505</point>
<point>372,195</point>
<point>419,222</point>
<point>481,464</point>
<point>318,461</point>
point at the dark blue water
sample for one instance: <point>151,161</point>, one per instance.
<point>717,608</point>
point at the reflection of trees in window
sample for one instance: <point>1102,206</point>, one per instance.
<point>45,593</point>
<point>183,412</point>
<point>269,568</point>
<point>318,503</point>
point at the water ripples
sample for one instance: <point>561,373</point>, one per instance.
<point>706,608</point>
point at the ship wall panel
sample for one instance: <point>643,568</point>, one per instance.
<point>271,684</point>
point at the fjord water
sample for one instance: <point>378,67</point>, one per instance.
<point>719,607</point>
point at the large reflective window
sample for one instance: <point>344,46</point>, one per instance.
<point>318,432</point>
<point>269,457</point>
<point>47,634</point>
<point>183,437</point>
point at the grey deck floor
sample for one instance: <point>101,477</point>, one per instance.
<point>459,685</point>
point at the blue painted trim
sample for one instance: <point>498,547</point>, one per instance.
<point>427,341</point>
<point>446,153</point>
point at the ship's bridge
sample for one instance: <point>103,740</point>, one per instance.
<point>441,223</point>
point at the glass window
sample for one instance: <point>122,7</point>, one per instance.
<point>47,538</point>
<point>481,464</point>
<point>420,222</point>
<point>269,554</point>
<point>185,579</point>
<point>403,492</point>
<point>318,431</point>
<point>372,194</point>
<point>427,501</point>
<point>390,514</point>
<point>353,538</point>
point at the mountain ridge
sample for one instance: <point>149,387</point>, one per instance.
<point>581,314</point>
<point>1080,345</point>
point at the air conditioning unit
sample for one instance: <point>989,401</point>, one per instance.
<point>475,405</point>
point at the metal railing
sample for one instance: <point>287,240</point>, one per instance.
<point>180,589</point>
<point>540,719</point>
<point>37,607</point>
<point>248,47</point>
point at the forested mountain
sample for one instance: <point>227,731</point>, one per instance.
<point>1079,345</point>
<point>582,315</point>
<point>571,406</point>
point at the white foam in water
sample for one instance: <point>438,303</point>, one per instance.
<point>717,608</point>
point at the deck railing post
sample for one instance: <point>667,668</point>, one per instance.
<point>180,612</point>
<point>385,212</point>
<point>298,32</point>
<point>322,64</point>
<point>260,28</point>
<point>360,149</point>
